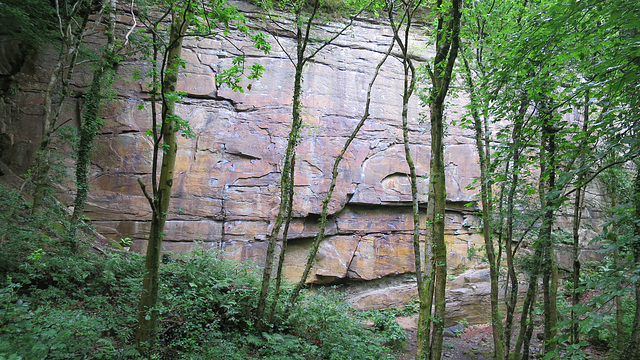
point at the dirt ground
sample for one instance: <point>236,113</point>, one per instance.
<point>475,343</point>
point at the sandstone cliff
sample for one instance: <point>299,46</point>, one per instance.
<point>226,193</point>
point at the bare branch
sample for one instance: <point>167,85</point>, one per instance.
<point>329,41</point>
<point>144,191</point>
<point>135,23</point>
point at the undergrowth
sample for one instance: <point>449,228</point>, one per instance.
<point>384,323</point>
<point>56,304</point>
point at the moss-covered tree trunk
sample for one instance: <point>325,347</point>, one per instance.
<point>409,81</point>
<point>549,202</point>
<point>287,177</point>
<point>72,20</point>
<point>447,45</point>
<point>521,350</point>
<point>104,72</point>
<point>147,311</point>
<point>438,196</point>
<point>324,214</point>
<point>302,57</point>
<point>283,249</point>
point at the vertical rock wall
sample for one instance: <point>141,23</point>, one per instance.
<point>226,193</point>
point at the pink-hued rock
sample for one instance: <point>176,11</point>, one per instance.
<point>226,188</point>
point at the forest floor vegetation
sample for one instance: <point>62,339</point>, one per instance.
<point>56,303</point>
<point>61,304</point>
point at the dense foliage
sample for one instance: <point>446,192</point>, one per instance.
<point>58,304</point>
<point>31,22</point>
<point>553,88</point>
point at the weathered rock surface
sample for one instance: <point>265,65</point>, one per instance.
<point>226,192</point>
<point>467,296</point>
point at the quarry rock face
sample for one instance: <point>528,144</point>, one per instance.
<point>226,189</point>
<point>226,192</point>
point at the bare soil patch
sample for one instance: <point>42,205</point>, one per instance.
<point>474,343</point>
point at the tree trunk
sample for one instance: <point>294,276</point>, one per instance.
<point>288,171</point>
<point>447,45</point>
<point>408,88</point>
<point>287,178</point>
<point>92,122</point>
<point>618,303</point>
<point>283,249</point>
<point>147,311</point>
<point>302,41</point>
<point>521,350</point>
<point>440,249</point>
<point>633,348</point>
<point>487,210</point>
<point>577,216</point>
<point>511,286</point>
<point>549,203</point>
<point>550,292</point>
<point>334,176</point>
<point>71,40</point>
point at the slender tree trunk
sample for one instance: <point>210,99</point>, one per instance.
<point>334,176</point>
<point>92,122</point>
<point>302,41</point>
<point>550,292</point>
<point>447,46</point>
<point>147,311</point>
<point>575,293</point>
<point>521,350</point>
<point>41,166</point>
<point>618,303</point>
<point>283,249</point>
<point>425,294</point>
<point>511,285</point>
<point>530,325</point>
<point>487,210</point>
<point>496,319</point>
<point>408,88</point>
<point>425,318</point>
<point>440,249</point>
<point>286,191</point>
<point>577,216</point>
<point>612,237</point>
<point>633,348</point>
<point>288,171</point>
<point>549,203</point>
<point>62,71</point>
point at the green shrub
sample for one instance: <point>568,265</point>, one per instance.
<point>202,295</point>
<point>37,331</point>
<point>57,304</point>
<point>386,326</point>
<point>328,322</point>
